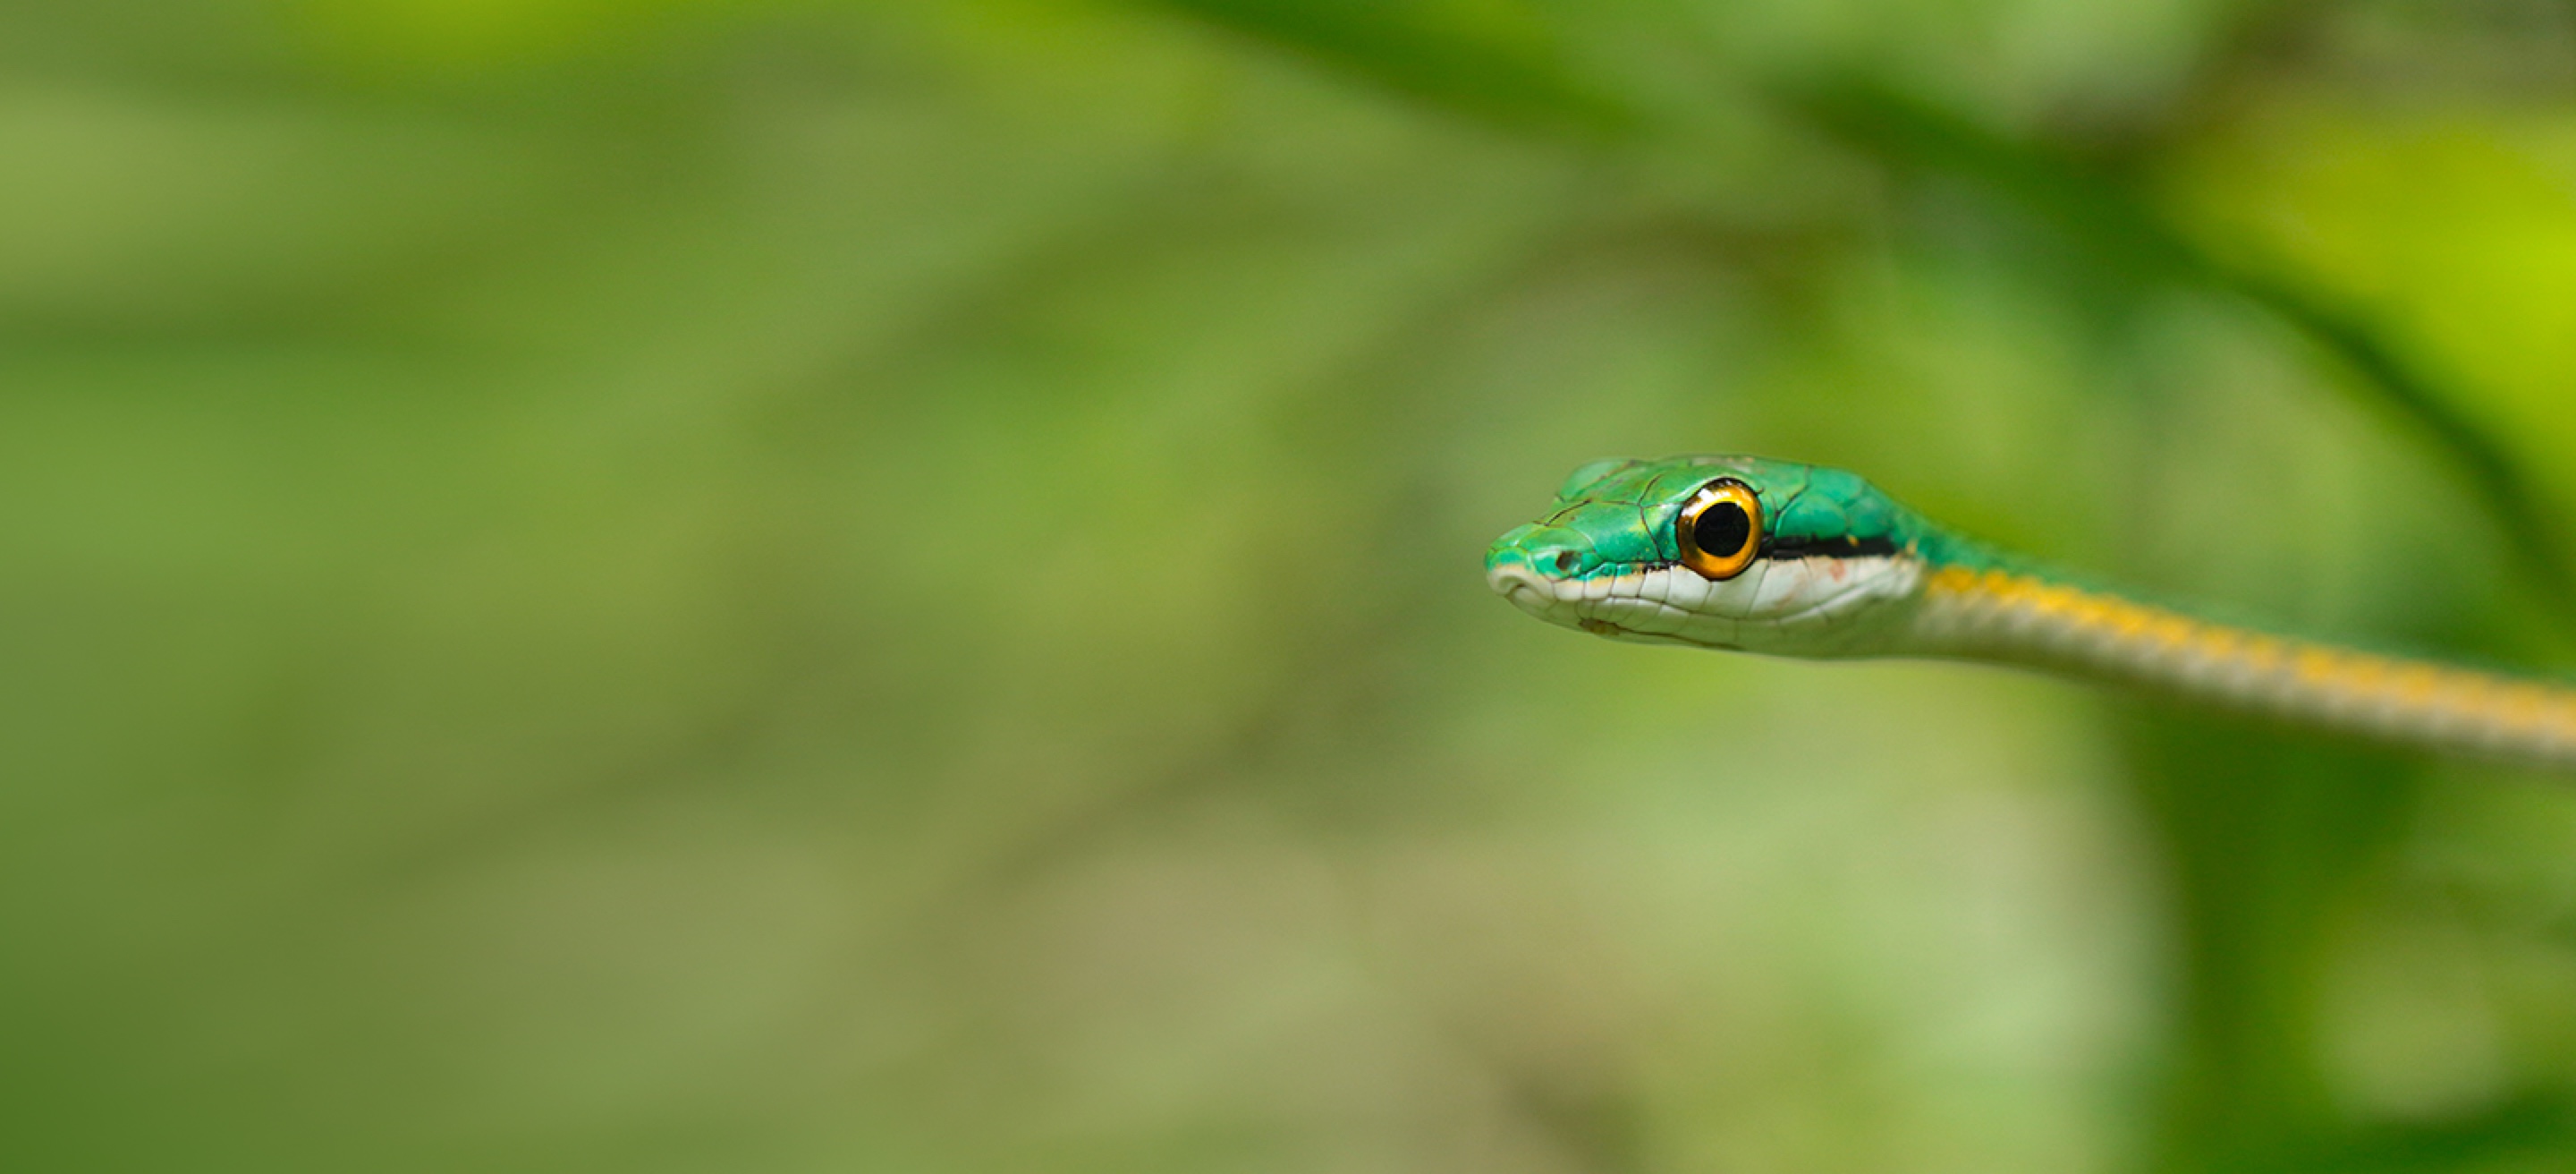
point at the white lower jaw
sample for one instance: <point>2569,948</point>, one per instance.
<point>1790,607</point>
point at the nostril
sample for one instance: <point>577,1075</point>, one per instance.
<point>1565,562</point>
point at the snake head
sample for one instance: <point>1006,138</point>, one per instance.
<point>1719,552</point>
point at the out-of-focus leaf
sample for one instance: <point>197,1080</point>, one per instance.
<point>1499,58</point>
<point>2456,238</point>
<point>2527,1133</point>
<point>2118,231</point>
<point>472,36</point>
<point>159,214</point>
<point>2270,836</point>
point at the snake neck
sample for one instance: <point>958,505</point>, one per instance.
<point>1985,607</point>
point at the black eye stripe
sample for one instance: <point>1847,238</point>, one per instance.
<point>1841,547</point>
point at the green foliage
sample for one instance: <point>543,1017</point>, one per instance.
<point>678,585</point>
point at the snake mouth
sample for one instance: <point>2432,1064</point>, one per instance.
<point>1547,599</point>
<point>1524,588</point>
<point>1562,602</point>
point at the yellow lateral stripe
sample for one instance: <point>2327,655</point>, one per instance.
<point>2161,644</point>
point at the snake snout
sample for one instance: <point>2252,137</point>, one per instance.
<point>1533,567</point>
<point>1551,562</point>
<point>1530,564</point>
<point>1528,588</point>
<point>1509,578</point>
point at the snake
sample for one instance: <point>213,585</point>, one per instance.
<point>1786,559</point>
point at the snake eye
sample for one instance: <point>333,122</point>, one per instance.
<point>1720,529</point>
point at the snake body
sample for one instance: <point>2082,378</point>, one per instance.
<point>1818,563</point>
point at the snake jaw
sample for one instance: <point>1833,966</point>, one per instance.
<point>1524,587</point>
<point>1563,602</point>
<point>1800,607</point>
<point>1584,602</point>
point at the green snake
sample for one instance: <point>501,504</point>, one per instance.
<point>1799,560</point>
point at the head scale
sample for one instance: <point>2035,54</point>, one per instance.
<point>1719,552</point>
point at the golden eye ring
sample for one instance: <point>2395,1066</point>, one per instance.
<point>1720,529</point>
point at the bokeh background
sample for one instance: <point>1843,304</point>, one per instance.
<point>664,585</point>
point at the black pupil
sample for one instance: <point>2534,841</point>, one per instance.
<point>1722,530</point>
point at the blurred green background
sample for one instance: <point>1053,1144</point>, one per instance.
<point>666,585</point>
